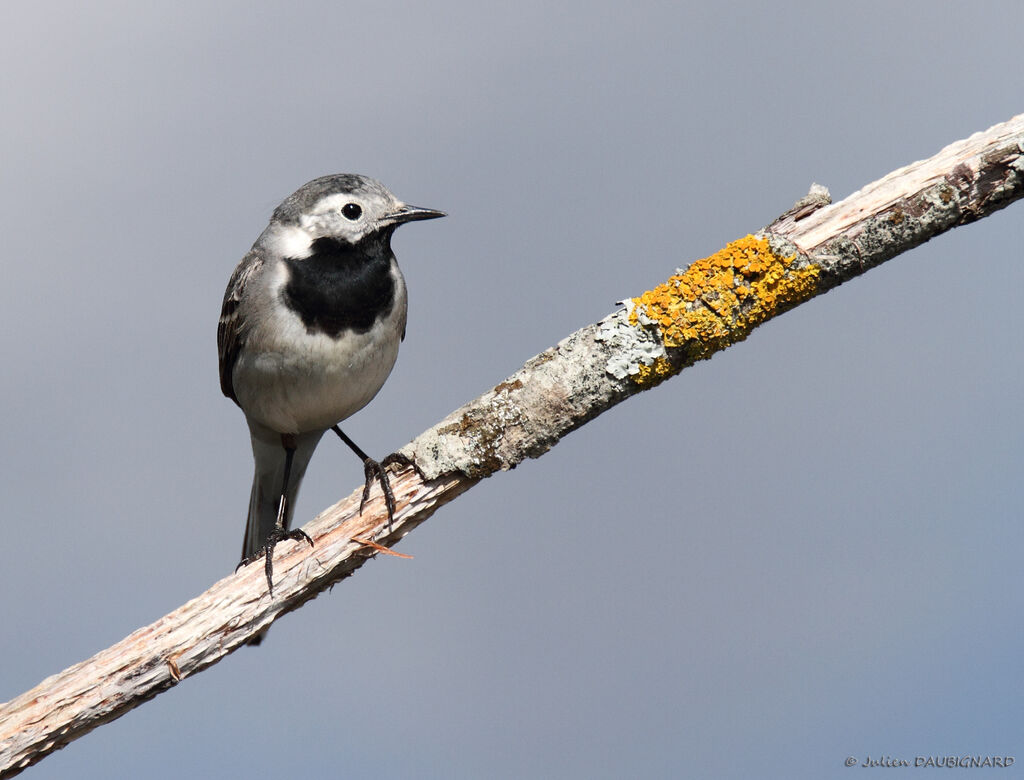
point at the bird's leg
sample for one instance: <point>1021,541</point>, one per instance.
<point>372,470</point>
<point>280,532</point>
<point>288,442</point>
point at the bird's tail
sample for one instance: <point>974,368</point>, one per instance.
<point>269,456</point>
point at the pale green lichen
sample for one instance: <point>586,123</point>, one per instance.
<point>633,349</point>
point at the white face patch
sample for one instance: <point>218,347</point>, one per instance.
<point>329,218</point>
<point>290,241</point>
<point>334,203</point>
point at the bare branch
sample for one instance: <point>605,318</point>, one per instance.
<point>714,303</point>
<point>718,300</point>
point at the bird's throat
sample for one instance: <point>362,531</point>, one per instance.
<point>340,286</point>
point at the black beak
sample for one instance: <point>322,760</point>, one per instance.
<point>412,214</point>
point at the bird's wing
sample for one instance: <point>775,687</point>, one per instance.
<point>231,328</point>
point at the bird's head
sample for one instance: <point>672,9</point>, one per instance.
<point>345,207</point>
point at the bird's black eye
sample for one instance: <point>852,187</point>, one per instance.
<point>352,211</point>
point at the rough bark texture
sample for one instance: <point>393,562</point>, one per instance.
<point>715,302</point>
<point>161,655</point>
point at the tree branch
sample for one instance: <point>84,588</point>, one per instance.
<point>714,303</point>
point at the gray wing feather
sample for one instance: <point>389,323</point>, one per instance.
<point>231,328</point>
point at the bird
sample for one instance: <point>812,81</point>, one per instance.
<point>309,331</point>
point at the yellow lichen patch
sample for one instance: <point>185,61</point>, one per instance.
<point>719,299</point>
<point>658,370</point>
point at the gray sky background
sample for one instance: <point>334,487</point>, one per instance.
<point>805,549</point>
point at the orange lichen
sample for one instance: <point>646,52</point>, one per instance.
<point>719,299</point>
<point>658,370</point>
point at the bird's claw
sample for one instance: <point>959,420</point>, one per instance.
<point>267,551</point>
<point>377,470</point>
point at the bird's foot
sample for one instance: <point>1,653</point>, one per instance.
<point>377,470</point>
<point>267,551</point>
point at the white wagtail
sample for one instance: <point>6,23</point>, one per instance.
<point>309,330</point>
